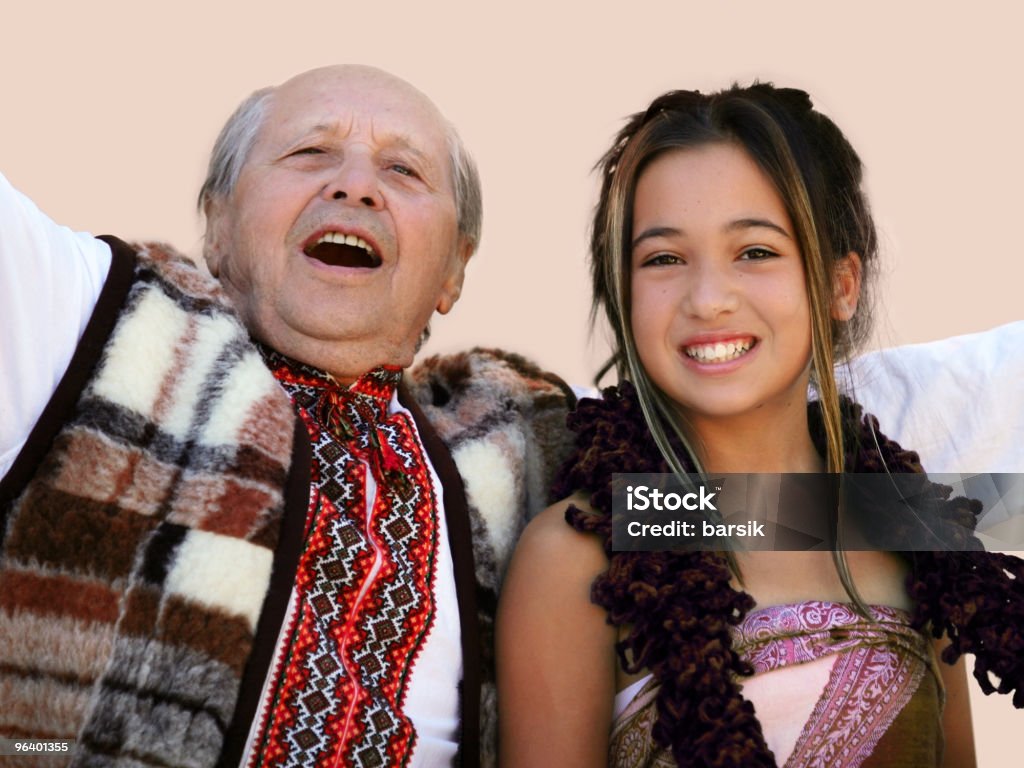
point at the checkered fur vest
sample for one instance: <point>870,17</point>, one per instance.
<point>150,526</point>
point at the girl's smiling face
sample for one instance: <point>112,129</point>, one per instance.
<point>720,311</point>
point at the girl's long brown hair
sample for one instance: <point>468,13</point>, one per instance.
<point>819,177</point>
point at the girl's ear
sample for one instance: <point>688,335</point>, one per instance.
<point>846,287</point>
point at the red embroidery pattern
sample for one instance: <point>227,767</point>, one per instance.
<point>365,581</point>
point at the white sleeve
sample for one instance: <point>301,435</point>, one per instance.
<point>958,402</point>
<point>50,279</point>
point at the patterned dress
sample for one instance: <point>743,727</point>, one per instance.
<point>881,706</point>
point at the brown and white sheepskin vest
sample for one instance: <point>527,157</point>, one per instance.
<point>151,526</point>
<point>140,525</point>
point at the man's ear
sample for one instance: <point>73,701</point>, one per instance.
<point>846,287</point>
<point>213,238</point>
<point>451,288</point>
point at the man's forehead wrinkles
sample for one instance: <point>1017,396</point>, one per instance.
<point>341,126</point>
<point>386,133</point>
<point>407,145</point>
<point>379,138</point>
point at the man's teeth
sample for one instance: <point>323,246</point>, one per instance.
<point>719,352</point>
<point>339,239</point>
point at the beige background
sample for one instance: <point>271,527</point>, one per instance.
<point>107,111</point>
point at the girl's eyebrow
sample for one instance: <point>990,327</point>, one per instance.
<point>752,223</point>
<point>745,223</point>
<point>652,232</point>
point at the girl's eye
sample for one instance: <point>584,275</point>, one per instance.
<point>661,259</point>
<point>758,254</point>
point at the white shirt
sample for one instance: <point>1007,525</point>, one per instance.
<point>958,402</point>
<point>50,279</point>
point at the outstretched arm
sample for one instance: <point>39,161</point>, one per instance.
<point>556,658</point>
<point>50,278</point>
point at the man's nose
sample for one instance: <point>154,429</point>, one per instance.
<point>355,181</point>
<point>711,291</point>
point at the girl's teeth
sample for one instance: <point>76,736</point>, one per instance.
<point>719,352</point>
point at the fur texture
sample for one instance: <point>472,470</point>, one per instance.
<point>503,419</point>
<point>136,559</point>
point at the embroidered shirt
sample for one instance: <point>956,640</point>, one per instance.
<point>374,575</point>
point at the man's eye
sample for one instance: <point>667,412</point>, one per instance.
<point>758,254</point>
<point>309,151</point>
<point>404,170</point>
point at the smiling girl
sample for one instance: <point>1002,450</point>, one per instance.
<point>732,246</point>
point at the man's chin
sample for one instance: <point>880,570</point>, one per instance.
<point>346,352</point>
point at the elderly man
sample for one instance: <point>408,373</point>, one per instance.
<point>249,543</point>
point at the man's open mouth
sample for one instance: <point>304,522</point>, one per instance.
<point>340,250</point>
